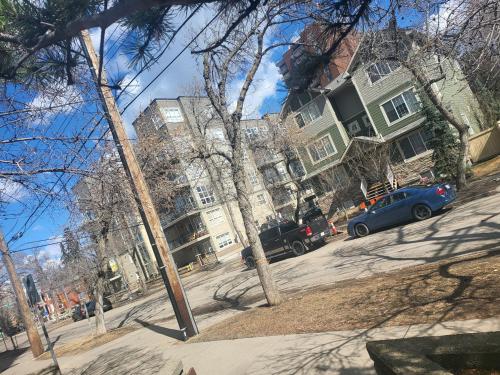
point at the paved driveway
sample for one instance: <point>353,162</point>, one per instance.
<point>214,295</point>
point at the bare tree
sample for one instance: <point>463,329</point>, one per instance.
<point>242,54</point>
<point>102,199</point>
<point>339,189</point>
<point>279,146</point>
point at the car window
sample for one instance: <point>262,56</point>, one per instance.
<point>287,227</point>
<point>396,197</point>
<point>381,203</point>
<point>269,234</point>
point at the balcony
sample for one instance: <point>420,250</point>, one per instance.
<point>179,212</point>
<point>187,239</point>
<point>276,180</point>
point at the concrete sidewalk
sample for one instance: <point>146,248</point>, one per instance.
<point>147,350</point>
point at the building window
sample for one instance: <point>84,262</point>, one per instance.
<point>413,144</point>
<point>381,69</point>
<point>354,128</point>
<point>157,121</point>
<point>261,199</point>
<point>173,114</point>
<point>252,133</point>
<point>252,177</point>
<point>401,106</point>
<point>206,196</point>
<point>215,216</point>
<point>280,168</point>
<point>321,149</point>
<point>307,114</point>
<point>283,68</point>
<point>224,240</point>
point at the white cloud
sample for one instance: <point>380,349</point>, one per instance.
<point>264,86</point>
<point>184,72</point>
<point>11,191</point>
<point>60,97</point>
<point>53,251</point>
<point>450,15</point>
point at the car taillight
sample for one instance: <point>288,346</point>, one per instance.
<point>440,191</point>
<point>309,231</point>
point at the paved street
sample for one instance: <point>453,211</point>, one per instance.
<point>214,295</point>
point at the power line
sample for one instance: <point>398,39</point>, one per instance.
<point>39,205</point>
<point>116,229</point>
<point>154,60</point>
<point>25,226</point>
<point>63,126</point>
<point>171,62</point>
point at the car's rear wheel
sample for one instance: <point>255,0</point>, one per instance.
<point>422,212</point>
<point>298,248</point>
<point>250,262</point>
<point>361,230</point>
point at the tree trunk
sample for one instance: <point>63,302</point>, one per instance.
<point>53,297</point>
<point>461,180</point>
<point>296,213</point>
<point>22,303</point>
<point>268,284</point>
<point>143,275</point>
<point>100,324</point>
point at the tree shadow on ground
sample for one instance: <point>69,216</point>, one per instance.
<point>123,360</point>
<point>346,349</point>
<point>8,357</point>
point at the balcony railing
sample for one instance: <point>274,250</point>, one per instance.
<point>177,212</point>
<point>186,238</point>
<point>271,181</point>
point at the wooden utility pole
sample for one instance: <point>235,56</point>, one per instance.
<point>142,196</point>
<point>24,309</point>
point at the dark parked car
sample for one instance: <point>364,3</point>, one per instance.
<point>284,236</point>
<point>403,205</point>
<point>79,311</point>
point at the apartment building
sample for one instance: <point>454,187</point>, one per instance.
<point>131,258</point>
<point>204,217</point>
<point>365,103</point>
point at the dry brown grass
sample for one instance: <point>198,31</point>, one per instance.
<point>89,342</point>
<point>455,289</point>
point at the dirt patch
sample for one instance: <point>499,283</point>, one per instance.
<point>89,342</point>
<point>456,289</point>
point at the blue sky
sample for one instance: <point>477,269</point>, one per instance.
<point>265,96</point>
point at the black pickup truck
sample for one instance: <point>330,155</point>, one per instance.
<point>285,236</point>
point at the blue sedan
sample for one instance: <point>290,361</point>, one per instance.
<point>403,205</point>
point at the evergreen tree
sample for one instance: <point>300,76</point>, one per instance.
<point>444,143</point>
<point>70,249</point>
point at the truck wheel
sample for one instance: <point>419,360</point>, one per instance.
<point>361,230</point>
<point>298,248</point>
<point>250,262</point>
